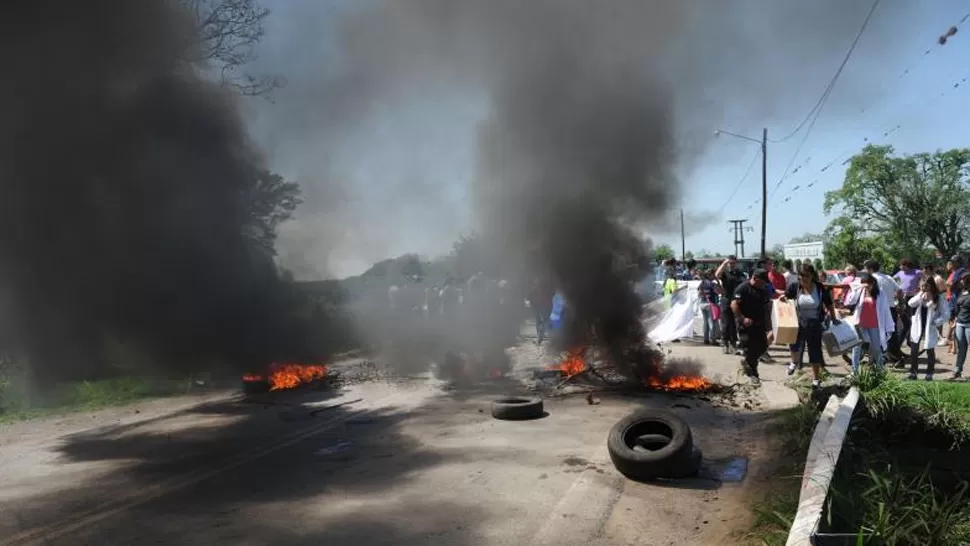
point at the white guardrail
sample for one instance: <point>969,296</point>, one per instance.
<point>823,455</point>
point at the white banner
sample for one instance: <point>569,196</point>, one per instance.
<point>678,320</point>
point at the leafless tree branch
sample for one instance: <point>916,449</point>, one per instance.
<point>228,32</point>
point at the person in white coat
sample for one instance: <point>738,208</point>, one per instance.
<point>872,312</point>
<point>930,311</point>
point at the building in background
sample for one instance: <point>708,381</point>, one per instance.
<point>813,252</point>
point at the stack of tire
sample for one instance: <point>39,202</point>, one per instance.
<point>653,445</point>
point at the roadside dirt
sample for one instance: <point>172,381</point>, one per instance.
<point>21,432</point>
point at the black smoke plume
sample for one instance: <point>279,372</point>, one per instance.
<point>586,110</point>
<point>126,178</point>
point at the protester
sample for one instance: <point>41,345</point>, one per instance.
<point>748,310</point>
<point>730,277</point>
<point>931,311</point>
<point>908,278</point>
<point>867,302</point>
<point>768,265</point>
<point>670,285</point>
<point>929,272</point>
<point>960,318</point>
<point>540,300</point>
<point>707,293</point>
<point>791,276</point>
<point>811,302</point>
<point>849,278</point>
<point>955,271</point>
<point>777,278</point>
<point>888,286</point>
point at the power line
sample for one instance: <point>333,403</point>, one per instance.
<point>844,157</point>
<point>954,82</point>
<point>738,185</point>
<point>891,129</point>
<point>828,88</point>
<point>794,156</point>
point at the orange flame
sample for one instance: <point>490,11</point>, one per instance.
<point>288,376</point>
<point>678,383</point>
<point>574,363</point>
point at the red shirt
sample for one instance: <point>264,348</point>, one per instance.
<point>777,280</point>
<point>868,317</point>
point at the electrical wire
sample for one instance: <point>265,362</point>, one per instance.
<point>892,129</point>
<point>887,131</point>
<point>954,81</point>
<point>738,185</point>
<point>828,88</point>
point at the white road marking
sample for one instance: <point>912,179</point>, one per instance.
<point>151,492</point>
<point>584,509</point>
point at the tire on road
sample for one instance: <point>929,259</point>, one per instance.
<point>651,442</point>
<point>255,387</point>
<point>675,459</point>
<point>517,408</point>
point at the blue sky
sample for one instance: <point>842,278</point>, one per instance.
<point>914,107</point>
<point>406,168</point>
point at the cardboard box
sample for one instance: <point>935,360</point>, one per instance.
<point>784,322</point>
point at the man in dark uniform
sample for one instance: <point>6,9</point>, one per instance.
<point>748,307</point>
<point>730,277</point>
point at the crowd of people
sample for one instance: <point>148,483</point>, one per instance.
<point>911,308</point>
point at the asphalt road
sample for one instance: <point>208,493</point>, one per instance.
<point>405,462</point>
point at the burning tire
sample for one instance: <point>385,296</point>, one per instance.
<point>653,444</point>
<point>255,386</point>
<point>517,409</point>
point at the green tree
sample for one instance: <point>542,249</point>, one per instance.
<point>663,252</point>
<point>410,265</point>
<point>777,253</point>
<point>847,243</point>
<point>689,255</point>
<point>903,204</point>
<point>806,238</point>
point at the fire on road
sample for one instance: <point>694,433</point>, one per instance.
<point>410,463</point>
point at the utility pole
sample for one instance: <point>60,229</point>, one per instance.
<point>764,179</point>
<point>764,190</point>
<point>683,243</point>
<point>738,237</point>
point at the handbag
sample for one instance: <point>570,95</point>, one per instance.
<point>841,338</point>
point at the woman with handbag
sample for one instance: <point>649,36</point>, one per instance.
<point>931,310</point>
<point>811,301</point>
<point>870,314</point>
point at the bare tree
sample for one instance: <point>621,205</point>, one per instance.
<point>228,32</point>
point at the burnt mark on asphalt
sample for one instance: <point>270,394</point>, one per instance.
<point>575,461</point>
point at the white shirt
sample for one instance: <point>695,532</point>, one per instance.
<point>887,285</point>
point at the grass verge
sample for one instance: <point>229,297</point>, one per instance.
<point>901,479</point>
<point>773,514</point>
<point>84,396</point>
